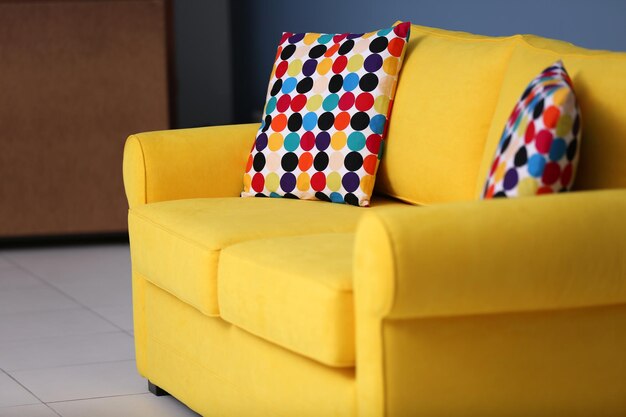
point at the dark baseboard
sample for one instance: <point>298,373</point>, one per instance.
<point>81,239</point>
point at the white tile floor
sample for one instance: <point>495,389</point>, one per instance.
<point>66,336</point>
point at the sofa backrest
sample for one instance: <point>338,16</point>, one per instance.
<point>455,93</point>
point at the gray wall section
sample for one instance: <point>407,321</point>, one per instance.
<point>258,24</point>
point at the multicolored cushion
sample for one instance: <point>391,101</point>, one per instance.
<point>538,151</point>
<point>328,102</point>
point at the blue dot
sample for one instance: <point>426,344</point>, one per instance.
<point>292,141</point>
<point>289,84</point>
<point>330,102</point>
<point>536,164</point>
<point>351,81</point>
<point>557,149</point>
<point>377,123</point>
<point>356,141</point>
<point>309,122</point>
<point>335,197</point>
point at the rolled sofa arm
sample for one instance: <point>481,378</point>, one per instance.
<point>186,163</point>
<point>504,255</point>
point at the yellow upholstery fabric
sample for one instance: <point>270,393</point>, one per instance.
<point>444,103</point>
<point>219,370</point>
<point>175,164</point>
<point>177,243</point>
<point>598,78</point>
<point>293,291</point>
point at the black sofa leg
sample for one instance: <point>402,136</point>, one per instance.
<point>156,390</point>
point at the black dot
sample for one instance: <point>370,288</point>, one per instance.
<point>505,144</point>
<point>268,122</point>
<point>335,84</point>
<point>321,161</point>
<point>359,121</point>
<point>317,51</point>
<point>295,122</point>
<point>260,195</point>
<point>304,85</point>
<point>368,82</point>
<point>576,126</point>
<point>526,92</point>
<point>292,196</point>
<point>571,149</point>
<point>521,157</point>
<point>538,110</point>
<point>353,161</point>
<point>259,162</point>
<point>500,194</point>
<point>289,161</point>
<point>351,199</point>
<point>276,87</point>
<point>326,120</point>
<point>379,44</point>
<point>346,47</point>
<point>321,196</point>
<point>287,51</point>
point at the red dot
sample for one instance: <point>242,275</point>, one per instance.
<point>544,141</point>
<point>494,166</point>
<point>307,142</point>
<point>298,102</point>
<point>364,101</point>
<point>373,143</point>
<point>566,175</point>
<point>339,37</point>
<point>402,30</point>
<point>281,69</point>
<point>340,64</point>
<point>285,36</point>
<point>258,182</point>
<point>530,132</point>
<point>514,115</point>
<point>346,101</point>
<point>318,181</point>
<point>544,190</point>
<point>283,103</point>
<point>551,173</point>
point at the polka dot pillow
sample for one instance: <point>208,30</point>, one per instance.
<point>538,152</point>
<point>328,102</point>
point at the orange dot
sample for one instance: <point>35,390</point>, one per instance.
<point>249,163</point>
<point>278,52</point>
<point>342,120</point>
<point>369,164</point>
<point>279,122</point>
<point>490,191</point>
<point>332,50</point>
<point>306,161</point>
<point>551,116</point>
<point>395,46</point>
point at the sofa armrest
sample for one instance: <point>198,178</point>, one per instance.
<point>504,255</point>
<point>186,163</point>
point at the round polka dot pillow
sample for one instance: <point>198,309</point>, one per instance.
<point>328,102</point>
<point>538,151</point>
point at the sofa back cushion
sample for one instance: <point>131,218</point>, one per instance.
<point>444,104</point>
<point>599,79</point>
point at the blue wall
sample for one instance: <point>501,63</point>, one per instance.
<point>257,25</point>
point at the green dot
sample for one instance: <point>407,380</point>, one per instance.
<point>356,141</point>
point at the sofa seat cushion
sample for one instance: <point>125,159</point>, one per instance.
<point>176,244</point>
<point>294,291</point>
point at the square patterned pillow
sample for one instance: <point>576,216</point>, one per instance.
<point>328,102</point>
<point>538,152</point>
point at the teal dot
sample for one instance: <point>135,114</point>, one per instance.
<point>536,163</point>
<point>356,141</point>
<point>330,102</point>
<point>309,122</point>
<point>381,150</point>
<point>289,84</point>
<point>271,105</point>
<point>384,32</point>
<point>377,123</point>
<point>292,141</point>
<point>325,39</point>
<point>275,195</point>
<point>335,197</point>
<point>557,149</point>
<point>351,81</point>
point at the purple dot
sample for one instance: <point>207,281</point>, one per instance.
<point>510,179</point>
<point>350,181</point>
<point>373,63</point>
<point>297,37</point>
<point>354,35</point>
<point>261,142</point>
<point>322,141</point>
<point>309,67</point>
<point>288,182</point>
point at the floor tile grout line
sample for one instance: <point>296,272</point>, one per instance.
<point>43,281</point>
<point>71,366</point>
<point>24,387</point>
<point>47,338</point>
<point>97,398</point>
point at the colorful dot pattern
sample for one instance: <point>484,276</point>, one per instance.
<point>328,103</point>
<point>538,151</point>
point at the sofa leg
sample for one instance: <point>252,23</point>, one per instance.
<point>156,390</point>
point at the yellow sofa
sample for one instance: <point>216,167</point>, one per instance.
<point>429,303</point>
